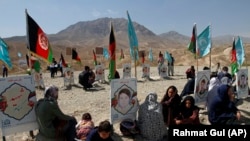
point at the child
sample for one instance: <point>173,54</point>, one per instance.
<point>189,112</point>
<point>101,133</point>
<point>84,126</point>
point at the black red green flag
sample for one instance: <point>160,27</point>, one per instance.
<point>94,57</point>
<point>62,61</point>
<point>192,44</point>
<point>75,55</point>
<point>38,42</point>
<point>234,64</point>
<point>112,47</point>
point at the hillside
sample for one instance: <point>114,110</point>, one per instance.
<point>87,35</point>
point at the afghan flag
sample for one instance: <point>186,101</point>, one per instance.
<point>75,55</point>
<point>234,64</point>
<point>94,56</point>
<point>122,54</point>
<point>62,61</point>
<point>38,42</point>
<point>112,47</point>
<point>192,44</point>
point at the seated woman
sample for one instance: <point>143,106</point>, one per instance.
<point>53,123</point>
<point>189,112</point>
<point>150,119</point>
<point>170,105</point>
<point>222,109</point>
<point>86,78</point>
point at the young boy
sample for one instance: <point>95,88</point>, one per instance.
<point>101,133</point>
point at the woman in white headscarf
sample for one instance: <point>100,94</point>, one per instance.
<point>150,119</point>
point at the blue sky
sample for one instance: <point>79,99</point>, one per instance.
<point>160,16</point>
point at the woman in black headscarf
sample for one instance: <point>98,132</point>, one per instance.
<point>170,105</point>
<point>189,112</point>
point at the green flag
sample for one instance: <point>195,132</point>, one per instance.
<point>37,66</point>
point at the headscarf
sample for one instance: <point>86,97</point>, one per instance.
<point>151,101</point>
<point>48,93</point>
<point>213,82</point>
<point>150,119</point>
<point>187,112</point>
<point>223,92</point>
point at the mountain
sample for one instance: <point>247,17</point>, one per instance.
<point>95,33</point>
<point>87,35</point>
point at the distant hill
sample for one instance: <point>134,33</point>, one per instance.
<point>86,35</point>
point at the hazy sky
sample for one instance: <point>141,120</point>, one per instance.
<point>160,16</point>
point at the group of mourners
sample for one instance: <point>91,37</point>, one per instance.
<point>154,117</point>
<point>54,67</point>
<point>221,97</point>
<point>87,77</point>
<point>55,125</point>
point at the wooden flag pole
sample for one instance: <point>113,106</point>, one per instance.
<point>197,63</point>
<point>196,49</point>
<point>27,34</point>
<point>135,62</point>
<point>245,57</point>
<point>210,54</point>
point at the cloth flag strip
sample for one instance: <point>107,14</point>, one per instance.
<point>112,58</point>
<point>33,63</point>
<point>38,42</point>
<point>62,61</point>
<point>28,60</point>
<point>94,57</point>
<point>150,55</point>
<point>234,64</point>
<point>122,54</point>
<point>143,57</point>
<point>75,55</point>
<point>37,66</point>
<point>133,42</point>
<point>204,42</point>
<point>168,57</point>
<point>240,52</point>
<point>192,44</point>
<point>4,54</point>
<point>105,53</point>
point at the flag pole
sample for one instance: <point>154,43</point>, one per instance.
<point>210,54</point>
<point>245,56</point>
<point>135,62</point>
<point>196,48</point>
<point>28,45</point>
<point>27,38</point>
